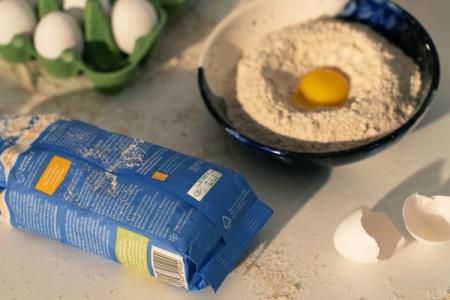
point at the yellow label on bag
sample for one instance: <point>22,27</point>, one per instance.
<point>4,212</point>
<point>131,249</point>
<point>53,175</point>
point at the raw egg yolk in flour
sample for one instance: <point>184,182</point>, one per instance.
<point>322,87</point>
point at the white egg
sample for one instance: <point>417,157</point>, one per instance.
<point>76,7</point>
<point>131,20</point>
<point>367,237</point>
<point>55,33</point>
<point>427,219</point>
<point>16,17</point>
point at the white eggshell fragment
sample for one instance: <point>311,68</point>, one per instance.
<point>131,20</point>
<point>56,32</point>
<point>427,219</point>
<point>367,237</point>
<point>16,17</point>
<point>76,7</point>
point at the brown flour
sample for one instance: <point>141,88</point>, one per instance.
<point>267,273</point>
<point>384,87</point>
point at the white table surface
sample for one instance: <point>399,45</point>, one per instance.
<point>164,107</point>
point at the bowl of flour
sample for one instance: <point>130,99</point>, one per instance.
<point>263,56</point>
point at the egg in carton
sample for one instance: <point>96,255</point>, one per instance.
<point>83,36</point>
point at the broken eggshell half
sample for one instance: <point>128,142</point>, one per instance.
<point>367,237</point>
<point>427,219</point>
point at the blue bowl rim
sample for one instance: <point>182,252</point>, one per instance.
<point>365,148</point>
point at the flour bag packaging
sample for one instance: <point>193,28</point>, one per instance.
<point>180,219</point>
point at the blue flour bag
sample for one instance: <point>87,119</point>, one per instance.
<point>183,220</point>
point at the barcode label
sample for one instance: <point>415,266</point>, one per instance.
<point>199,190</point>
<point>168,267</point>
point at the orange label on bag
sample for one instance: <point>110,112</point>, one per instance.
<point>160,176</point>
<point>53,175</point>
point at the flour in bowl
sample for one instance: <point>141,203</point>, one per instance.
<point>384,84</point>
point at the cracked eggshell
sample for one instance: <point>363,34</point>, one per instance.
<point>16,17</point>
<point>131,20</point>
<point>56,32</point>
<point>367,237</point>
<point>427,219</point>
<point>76,7</point>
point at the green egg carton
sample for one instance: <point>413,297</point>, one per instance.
<point>174,6</point>
<point>20,50</point>
<point>102,62</point>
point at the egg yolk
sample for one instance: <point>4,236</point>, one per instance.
<point>322,87</point>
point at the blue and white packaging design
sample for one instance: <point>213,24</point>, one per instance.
<point>175,217</point>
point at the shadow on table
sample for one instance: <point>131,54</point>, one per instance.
<point>286,189</point>
<point>426,181</point>
<point>12,93</point>
<point>439,108</point>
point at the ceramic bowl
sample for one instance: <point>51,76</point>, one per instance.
<point>222,51</point>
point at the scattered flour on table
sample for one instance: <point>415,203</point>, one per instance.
<point>271,272</point>
<point>267,274</point>
<point>384,87</point>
